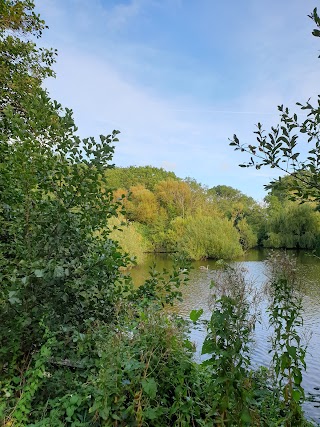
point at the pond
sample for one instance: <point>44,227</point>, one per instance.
<point>197,295</point>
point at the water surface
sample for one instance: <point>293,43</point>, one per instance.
<point>197,295</point>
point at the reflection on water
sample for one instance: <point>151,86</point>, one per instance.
<point>197,295</point>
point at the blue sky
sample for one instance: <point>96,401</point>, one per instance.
<point>180,77</point>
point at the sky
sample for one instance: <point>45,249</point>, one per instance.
<point>179,77</point>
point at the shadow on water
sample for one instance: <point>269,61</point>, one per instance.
<point>197,295</point>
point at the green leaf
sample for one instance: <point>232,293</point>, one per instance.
<point>13,299</point>
<point>245,416</point>
<point>292,351</point>
<point>296,395</point>
<point>149,387</point>
<point>297,378</point>
<point>39,273</point>
<point>208,346</point>
<point>74,399</point>
<point>58,271</point>
<point>196,314</point>
<point>151,413</point>
<point>70,411</point>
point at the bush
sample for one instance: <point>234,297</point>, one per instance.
<point>129,239</point>
<point>146,375</point>
<point>204,237</point>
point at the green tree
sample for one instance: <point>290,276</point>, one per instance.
<point>231,201</point>
<point>149,176</point>
<point>142,205</point>
<point>23,68</point>
<point>291,225</point>
<point>175,196</point>
<point>242,210</point>
<point>58,274</point>
<point>129,238</point>
<point>202,237</point>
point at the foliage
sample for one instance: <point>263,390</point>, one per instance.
<point>54,269</point>
<point>248,238</point>
<point>285,316</point>
<point>57,275</point>
<point>148,176</point>
<point>291,225</point>
<point>280,147</point>
<point>161,215</point>
<point>23,65</point>
<point>227,342</point>
<point>175,196</point>
<point>232,202</point>
<point>203,237</point>
<point>163,210</point>
<point>230,195</point>
<point>130,240</point>
<point>141,205</point>
<point>23,68</point>
<point>157,386</point>
<point>163,288</point>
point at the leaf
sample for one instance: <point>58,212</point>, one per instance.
<point>74,399</point>
<point>297,378</point>
<point>58,271</point>
<point>149,387</point>
<point>196,314</point>
<point>296,395</point>
<point>151,413</point>
<point>292,351</point>
<point>39,273</point>
<point>70,411</point>
<point>13,299</point>
<point>208,346</point>
<point>245,416</point>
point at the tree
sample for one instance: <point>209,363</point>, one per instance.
<point>59,267</point>
<point>290,224</point>
<point>23,68</point>
<point>279,148</point>
<point>175,196</point>
<point>142,205</point>
<point>231,201</point>
<point>243,211</point>
<point>149,176</point>
<point>202,237</point>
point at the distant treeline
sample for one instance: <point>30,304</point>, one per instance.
<point>164,213</point>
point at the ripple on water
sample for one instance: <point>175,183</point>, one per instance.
<point>197,295</point>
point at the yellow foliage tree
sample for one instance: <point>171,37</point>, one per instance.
<point>175,196</point>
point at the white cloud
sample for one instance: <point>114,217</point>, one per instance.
<point>161,125</point>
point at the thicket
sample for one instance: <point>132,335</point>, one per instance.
<point>174,213</point>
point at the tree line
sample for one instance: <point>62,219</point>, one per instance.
<point>171,214</point>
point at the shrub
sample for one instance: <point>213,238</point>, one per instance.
<point>204,237</point>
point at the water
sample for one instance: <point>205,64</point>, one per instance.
<point>197,295</point>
